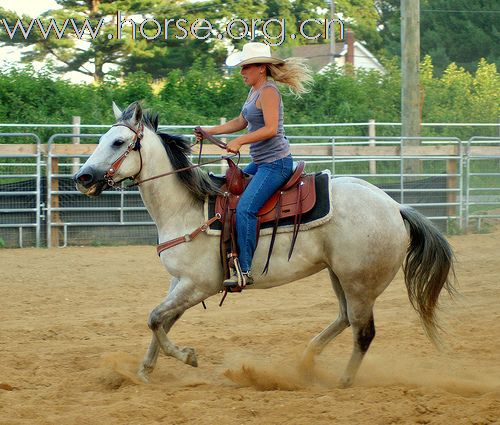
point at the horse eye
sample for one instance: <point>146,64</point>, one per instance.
<point>118,142</point>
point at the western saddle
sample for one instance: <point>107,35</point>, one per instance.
<point>296,197</point>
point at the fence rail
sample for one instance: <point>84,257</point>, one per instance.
<point>482,191</point>
<point>452,182</point>
<point>20,204</point>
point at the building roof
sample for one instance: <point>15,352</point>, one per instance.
<point>319,55</point>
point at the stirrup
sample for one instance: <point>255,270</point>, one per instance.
<point>238,280</point>
<point>231,284</point>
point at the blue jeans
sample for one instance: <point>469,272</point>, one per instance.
<point>267,178</point>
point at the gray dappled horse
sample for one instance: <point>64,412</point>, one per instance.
<point>363,245</point>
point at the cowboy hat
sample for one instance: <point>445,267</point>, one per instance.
<point>252,53</point>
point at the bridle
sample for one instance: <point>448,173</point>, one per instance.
<point>135,145</point>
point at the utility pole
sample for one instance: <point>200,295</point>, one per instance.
<point>410,85</point>
<point>332,31</point>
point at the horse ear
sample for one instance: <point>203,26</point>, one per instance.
<point>116,111</point>
<point>137,113</point>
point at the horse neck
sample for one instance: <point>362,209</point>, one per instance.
<point>168,201</point>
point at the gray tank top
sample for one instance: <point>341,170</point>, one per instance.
<point>267,150</point>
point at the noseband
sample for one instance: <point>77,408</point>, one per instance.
<point>135,145</point>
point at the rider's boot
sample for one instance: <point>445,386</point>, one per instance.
<point>238,281</point>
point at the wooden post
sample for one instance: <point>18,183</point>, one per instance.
<point>76,141</point>
<point>54,202</point>
<point>371,133</point>
<point>332,33</point>
<point>223,163</point>
<point>410,64</point>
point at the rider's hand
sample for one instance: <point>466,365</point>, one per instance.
<point>198,135</point>
<point>233,146</point>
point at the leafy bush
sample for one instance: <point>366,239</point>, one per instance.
<point>203,94</point>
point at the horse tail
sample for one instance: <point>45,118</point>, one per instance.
<point>428,263</point>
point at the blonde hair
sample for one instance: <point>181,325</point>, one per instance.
<point>295,73</point>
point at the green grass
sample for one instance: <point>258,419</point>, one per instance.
<point>453,227</point>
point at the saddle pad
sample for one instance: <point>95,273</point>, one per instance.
<point>318,215</point>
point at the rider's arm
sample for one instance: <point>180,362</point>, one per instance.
<point>269,103</point>
<point>236,124</point>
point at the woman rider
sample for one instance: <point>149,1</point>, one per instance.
<point>262,113</point>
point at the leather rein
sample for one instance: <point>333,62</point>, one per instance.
<point>135,145</point>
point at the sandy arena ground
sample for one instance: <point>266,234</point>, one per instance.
<point>73,329</point>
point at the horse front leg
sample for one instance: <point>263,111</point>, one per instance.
<point>184,296</point>
<point>148,363</point>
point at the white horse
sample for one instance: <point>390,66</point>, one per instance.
<point>362,246</point>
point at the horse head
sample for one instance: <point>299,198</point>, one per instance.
<point>117,156</point>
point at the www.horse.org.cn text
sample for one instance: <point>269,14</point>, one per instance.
<point>270,31</point>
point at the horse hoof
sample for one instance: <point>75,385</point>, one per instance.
<point>143,375</point>
<point>143,378</point>
<point>191,359</point>
<point>345,383</point>
<point>307,362</point>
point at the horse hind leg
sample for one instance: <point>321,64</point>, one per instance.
<point>320,341</point>
<point>360,314</point>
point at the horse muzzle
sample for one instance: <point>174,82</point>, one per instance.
<point>90,182</point>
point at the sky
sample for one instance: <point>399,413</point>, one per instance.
<point>29,7</point>
<point>32,8</point>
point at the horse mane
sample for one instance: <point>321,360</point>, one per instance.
<point>178,149</point>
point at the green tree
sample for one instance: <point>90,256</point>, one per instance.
<point>464,35</point>
<point>389,28</point>
<point>463,31</point>
<point>460,96</point>
<point>96,55</point>
<point>361,16</point>
<point>84,53</point>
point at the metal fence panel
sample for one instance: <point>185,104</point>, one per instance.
<point>120,217</point>
<point>451,185</point>
<point>20,191</point>
<point>482,187</point>
<point>115,217</point>
<point>423,172</point>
